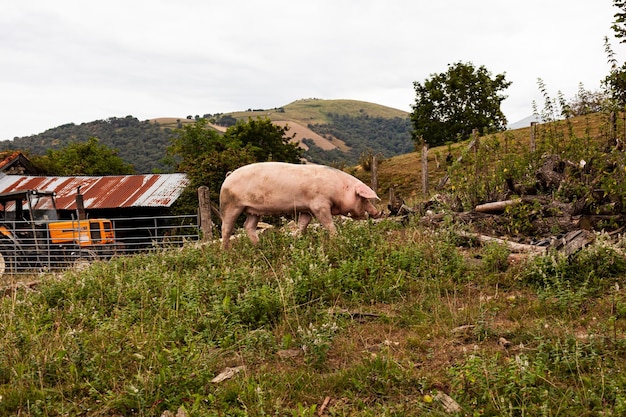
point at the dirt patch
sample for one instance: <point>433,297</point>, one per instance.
<point>303,132</point>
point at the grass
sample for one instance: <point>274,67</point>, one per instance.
<point>379,320</point>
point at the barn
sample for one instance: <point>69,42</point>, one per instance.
<point>106,196</point>
<point>138,205</point>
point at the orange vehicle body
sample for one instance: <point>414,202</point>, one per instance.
<point>85,233</point>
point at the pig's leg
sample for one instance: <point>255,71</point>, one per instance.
<point>303,221</point>
<point>324,217</point>
<point>229,217</point>
<point>250,226</point>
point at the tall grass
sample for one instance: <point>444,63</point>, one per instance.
<point>379,319</point>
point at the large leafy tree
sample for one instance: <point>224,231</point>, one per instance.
<point>449,105</point>
<point>266,140</point>
<point>83,158</point>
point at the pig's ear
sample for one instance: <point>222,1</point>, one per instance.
<point>365,191</point>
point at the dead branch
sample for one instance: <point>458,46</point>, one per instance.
<point>513,246</point>
<point>496,206</point>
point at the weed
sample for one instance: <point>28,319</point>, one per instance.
<point>494,258</point>
<point>316,341</point>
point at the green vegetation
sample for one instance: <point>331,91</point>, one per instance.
<point>139,143</point>
<point>363,134</point>
<point>450,105</point>
<point>266,141</point>
<point>381,320</point>
<point>85,158</point>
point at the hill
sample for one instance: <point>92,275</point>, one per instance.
<point>140,143</point>
<point>331,131</point>
<point>404,173</point>
<point>338,131</point>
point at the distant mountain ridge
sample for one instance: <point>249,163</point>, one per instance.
<point>331,131</point>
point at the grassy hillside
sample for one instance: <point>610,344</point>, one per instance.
<point>315,111</point>
<point>404,172</point>
<point>384,319</point>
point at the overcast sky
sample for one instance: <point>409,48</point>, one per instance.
<point>75,61</point>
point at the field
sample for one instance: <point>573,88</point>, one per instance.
<point>388,318</point>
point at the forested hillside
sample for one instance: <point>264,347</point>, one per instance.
<point>140,143</point>
<point>362,133</point>
<point>355,127</point>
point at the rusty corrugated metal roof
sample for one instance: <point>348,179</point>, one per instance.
<point>116,191</point>
<point>8,157</point>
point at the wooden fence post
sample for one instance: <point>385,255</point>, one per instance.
<point>80,205</point>
<point>533,136</point>
<point>425,169</point>
<point>374,173</point>
<point>206,224</point>
<point>612,130</point>
<point>476,141</point>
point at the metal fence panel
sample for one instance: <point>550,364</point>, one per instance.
<point>27,248</point>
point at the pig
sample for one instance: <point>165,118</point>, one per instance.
<point>274,188</point>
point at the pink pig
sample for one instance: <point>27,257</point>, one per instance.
<point>272,188</point>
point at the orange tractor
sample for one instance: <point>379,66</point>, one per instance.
<point>33,238</point>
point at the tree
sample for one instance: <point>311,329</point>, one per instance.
<point>619,25</point>
<point>85,158</point>
<point>587,102</point>
<point>448,106</point>
<point>193,141</point>
<point>206,156</point>
<point>267,141</point>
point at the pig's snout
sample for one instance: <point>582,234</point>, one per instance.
<point>372,211</point>
<point>377,214</point>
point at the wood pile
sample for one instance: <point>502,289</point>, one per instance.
<point>566,224</point>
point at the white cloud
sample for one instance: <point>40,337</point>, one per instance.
<point>73,61</point>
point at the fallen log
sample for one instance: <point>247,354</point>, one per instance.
<point>500,206</point>
<point>568,244</point>
<point>497,206</point>
<point>513,246</point>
